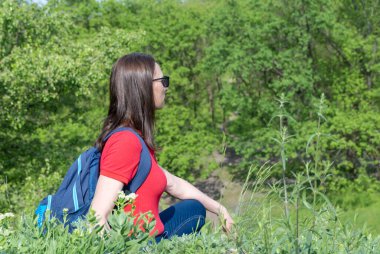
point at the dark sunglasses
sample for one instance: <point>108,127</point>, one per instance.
<point>164,80</point>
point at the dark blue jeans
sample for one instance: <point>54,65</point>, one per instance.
<point>185,217</point>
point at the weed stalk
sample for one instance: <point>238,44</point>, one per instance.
<point>283,139</point>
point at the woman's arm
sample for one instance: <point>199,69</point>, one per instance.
<point>107,190</point>
<point>182,189</point>
<point>120,158</point>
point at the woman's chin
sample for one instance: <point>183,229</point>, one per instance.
<point>160,106</point>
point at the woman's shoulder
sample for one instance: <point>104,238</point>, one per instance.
<point>120,156</point>
<point>123,140</point>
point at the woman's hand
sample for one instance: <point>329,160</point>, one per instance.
<point>182,189</point>
<point>227,222</point>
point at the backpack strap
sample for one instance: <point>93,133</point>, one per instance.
<point>144,164</point>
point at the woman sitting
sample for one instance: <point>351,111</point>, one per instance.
<point>137,89</point>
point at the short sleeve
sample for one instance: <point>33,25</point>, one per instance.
<point>120,156</point>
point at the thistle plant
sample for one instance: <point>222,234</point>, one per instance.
<point>282,139</point>
<point>317,174</point>
<point>318,134</point>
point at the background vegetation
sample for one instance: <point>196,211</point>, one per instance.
<point>229,62</point>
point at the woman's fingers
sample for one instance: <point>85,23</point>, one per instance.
<point>229,224</point>
<point>228,221</point>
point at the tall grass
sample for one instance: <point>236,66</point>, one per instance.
<point>272,217</point>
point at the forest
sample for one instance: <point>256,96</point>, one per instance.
<point>291,86</point>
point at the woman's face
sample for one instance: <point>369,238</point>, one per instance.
<point>159,90</point>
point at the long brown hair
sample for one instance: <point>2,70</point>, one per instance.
<point>131,97</point>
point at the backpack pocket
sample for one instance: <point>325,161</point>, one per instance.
<point>44,205</point>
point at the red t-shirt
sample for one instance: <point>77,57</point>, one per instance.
<point>120,159</point>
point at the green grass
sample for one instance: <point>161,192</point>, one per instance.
<point>365,215</point>
<point>261,227</point>
<point>361,213</point>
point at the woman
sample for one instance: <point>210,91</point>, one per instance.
<point>137,89</point>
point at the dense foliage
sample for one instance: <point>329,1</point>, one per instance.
<point>265,223</point>
<point>321,232</point>
<point>229,62</point>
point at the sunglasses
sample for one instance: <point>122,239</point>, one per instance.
<point>164,80</point>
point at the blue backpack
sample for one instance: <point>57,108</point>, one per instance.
<point>78,187</point>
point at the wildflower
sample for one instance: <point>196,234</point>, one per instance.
<point>123,199</point>
<point>5,232</point>
<point>78,232</point>
<point>5,215</point>
<point>121,195</point>
<point>131,196</point>
<point>65,210</point>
